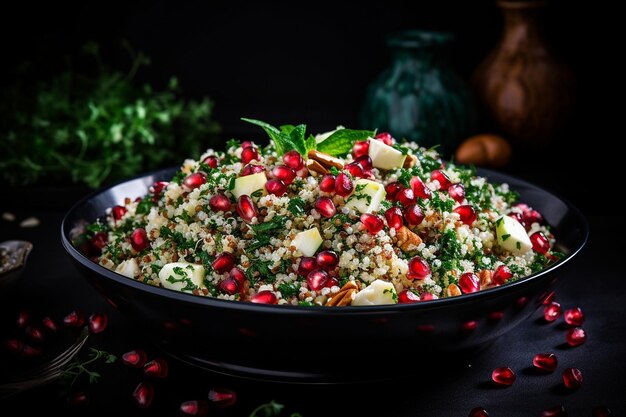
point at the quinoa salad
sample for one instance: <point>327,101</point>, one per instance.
<point>343,218</point>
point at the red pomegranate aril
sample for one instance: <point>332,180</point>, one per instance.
<point>157,368</point>
<point>556,411</point>
<point>343,185</point>
<point>238,275</point>
<point>373,223</point>
<point>14,345</point>
<point>418,269</point>
<point>194,408</point>
<point>219,202</point>
<point>316,279</point>
<point>98,322</point>
<point>574,316</point>
<point>540,242</point>
<point>469,326</point>
<point>35,334</point>
<point>139,239</point>
<point>407,296</point>
<point>250,169</point>
<point>246,144</point>
<point>551,311</point>
<point>246,208</point>
<point>195,180</point>
<point>223,262</point>
<point>503,376</point>
<point>276,187</point>
<point>394,218</point>
<point>118,212</point>
<point>327,259</point>
<point>157,188</point>
<point>405,197</point>
<point>143,394</point>
<point>249,154</point>
<point>264,297</point>
<point>575,336</point>
<point>355,170</point>
<point>332,282</point>
<point>283,173</point>
<point>392,190</point>
<point>293,160</point>
<point>325,207</point>
<point>427,297</point>
<point>364,161</point>
<point>469,282</point>
<point>413,215</point>
<point>466,213</point>
<point>99,240</point>
<point>457,192</point>
<point>360,148</point>
<point>602,411</point>
<point>78,399</point>
<point>23,318</point>
<point>29,351</point>
<point>385,137</point>
<point>327,183</point>
<point>572,378</point>
<point>532,216</point>
<point>75,318</point>
<point>211,161</point>
<point>135,358</point>
<point>229,286</point>
<point>420,189</point>
<point>478,412</point>
<point>545,361</point>
<point>442,178</point>
<point>307,264</point>
<point>501,274</point>
<point>220,397</point>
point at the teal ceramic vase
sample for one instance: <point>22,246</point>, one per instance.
<point>418,96</point>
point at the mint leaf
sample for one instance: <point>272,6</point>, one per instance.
<point>297,138</point>
<point>341,142</point>
<point>286,138</point>
<point>310,144</point>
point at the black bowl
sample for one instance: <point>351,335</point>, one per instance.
<point>322,344</point>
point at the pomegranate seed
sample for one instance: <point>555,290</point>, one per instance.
<point>392,190</point>
<point>49,324</point>
<point>23,318</point>
<point>283,173</point>
<point>238,275</point>
<point>302,173</point>
<point>250,169</point>
<point>135,358</point>
<point>427,296</point>
<point>219,202</point>
<point>99,241</point>
<point>355,170</point>
<point>545,361</point>
<point>327,259</point>
<point>360,148</point>
<point>332,282</point>
<point>420,189</point>
<point>229,286</point>
<point>549,298</point>
<point>418,269</point>
<point>223,262</point>
<point>35,334</point>
<point>494,316</point>
<point>211,161</point>
<point>195,180</point>
<point>372,223</point>
<point>572,378</point>
<point>118,212</point>
<point>532,216</point>
<point>466,213</point>
<point>575,336</point>
<point>385,137</point>
<point>78,399</point>
<point>551,311</point>
<point>157,368</point>
<point>442,178</point>
<point>364,161</point>
<point>343,185</point>
<point>29,351</point>
<point>405,197</point>
<point>469,326</point>
<point>75,319</point>
<point>276,187</point>
<point>220,397</point>
<point>307,264</point>
<point>540,242</point>
<point>556,411</point>
<point>158,187</point>
<point>249,154</point>
<point>574,316</point>
<point>469,282</point>
<point>413,215</point>
<point>407,296</point>
<point>394,218</point>
<point>501,274</point>
<point>139,239</point>
<point>293,160</point>
<point>194,408</point>
<point>13,345</point>
<point>327,183</point>
<point>246,208</point>
<point>478,412</point>
<point>325,207</point>
<point>602,411</point>
<point>98,322</point>
<point>503,376</point>
<point>246,144</point>
<point>457,192</point>
<point>316,279</point>
<point>264,297</point>
<point>143,394</point>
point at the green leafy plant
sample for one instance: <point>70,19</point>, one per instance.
<point>97,128</point>
<point>76,368</point>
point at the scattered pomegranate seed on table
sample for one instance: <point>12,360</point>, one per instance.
<point>78,399</point>
<point>14,345</point>
<point>556,411</point>
<point>575,336</point>
<point>545,361</point>
<point>574,316</point>
<point>220,397</point>
<point>194,408</point>
<point>35,334</point>
<point>29,351</point>
<point>503,376</point>
<point>98,322</point>
<point>572,378</point>
<point>75,318</point>
<point>135,358</point>
<point>49,324</point>
<point>478,412</point>
<point>157,368</point>
<point>143,394</point>
<point>23,318</point>
<point>551,311</point>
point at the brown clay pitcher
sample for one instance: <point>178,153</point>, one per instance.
<point>526,92</point>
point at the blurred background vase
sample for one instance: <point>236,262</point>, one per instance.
<point>526,92</point>
<point>419,96</point>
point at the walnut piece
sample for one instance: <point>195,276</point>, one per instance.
<point>325,160</point>
<point>409,161</point>
<point>314,166</point>
<point>344,296</point>
<point>407,240</point>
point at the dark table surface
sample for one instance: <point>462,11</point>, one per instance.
<point>446,385</point>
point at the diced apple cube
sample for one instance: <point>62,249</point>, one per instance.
<point>308,241</point>
<point>367,196</point>
<point>249,184</point>
<point>377,293</point>
<point>182,276</point>
<point>512,236</point>
<point>384,156</point>
<point>128,268</point>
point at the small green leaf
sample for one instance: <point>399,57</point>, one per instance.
<point>340,143</point>
<point>282,141</point>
